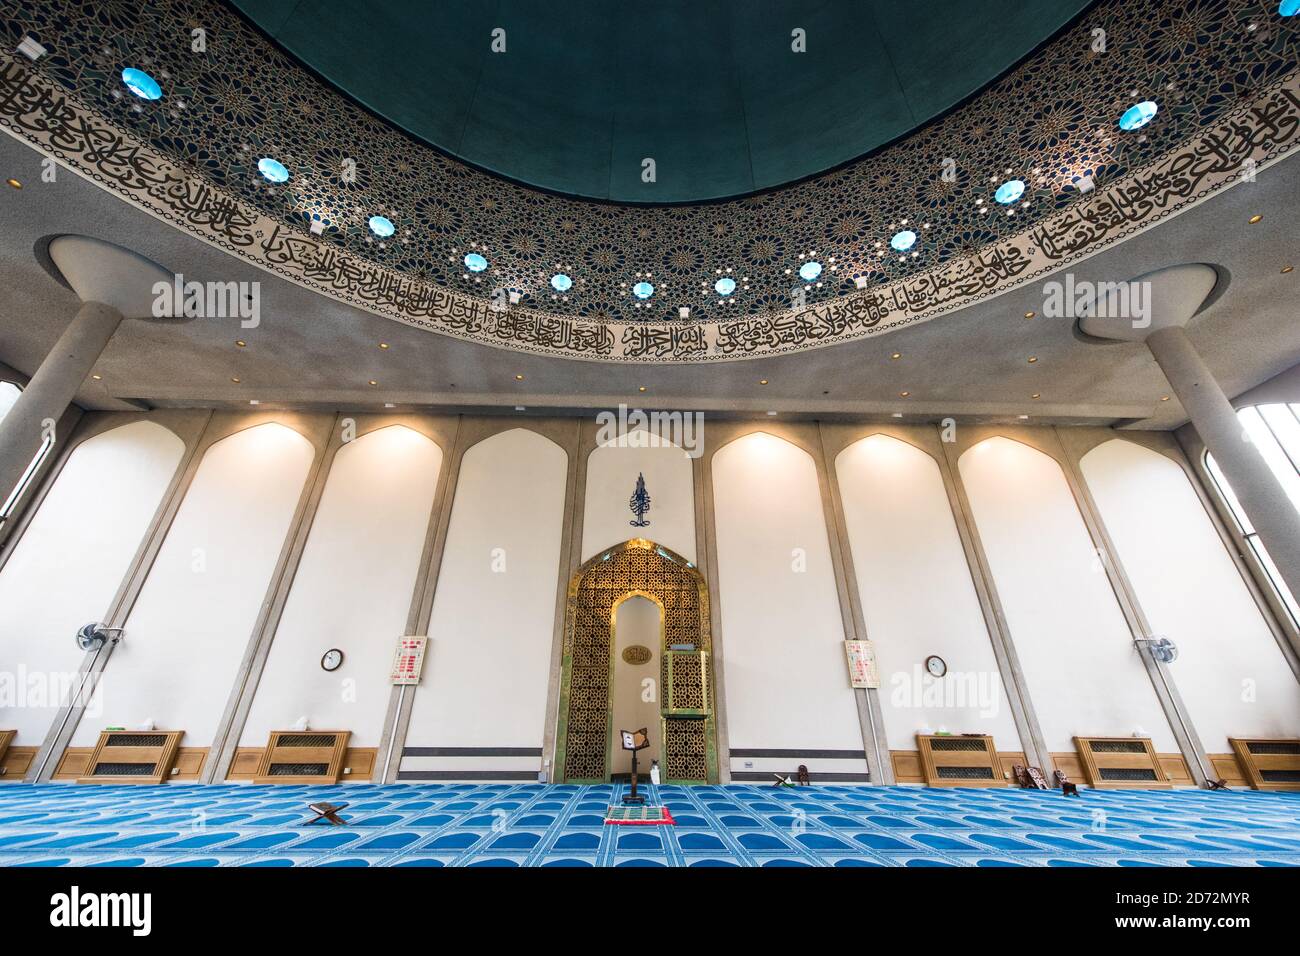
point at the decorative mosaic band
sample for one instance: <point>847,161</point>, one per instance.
<point>36,110</point>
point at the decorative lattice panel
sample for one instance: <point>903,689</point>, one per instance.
<point>643,567</point>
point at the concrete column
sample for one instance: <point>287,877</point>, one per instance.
<point>1215,420</point>
<point>52,388</point>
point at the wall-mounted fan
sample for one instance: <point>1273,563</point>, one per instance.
<point>93,636</point>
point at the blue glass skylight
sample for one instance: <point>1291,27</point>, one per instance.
<point>1009,191</point>
<point>1289,8</point>
<point>725,286</point>
<point>902,241</point>
<point>273,170</point>
<point>475,262</point>
<point>141,84</point>
<point>381,227</point>
<point>810,270</point>
<point>1137,116</point>
<point>561,283</point>
<point>643,290</point>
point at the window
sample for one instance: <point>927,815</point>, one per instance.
<point>9,393</point>
<point>1275,431</point>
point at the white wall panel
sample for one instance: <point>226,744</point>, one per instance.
<point>352,590</point>
<point>1230,672</point>
<point>611,479</point>
<point>70,562</point>
<point>917,596</point>
<point>488,663</point>
<point>787,685</point>
<point>1077,653</point>
<point>193,619</point>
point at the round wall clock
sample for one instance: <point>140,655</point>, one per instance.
<point>936,665</point>
<point>332,659</point>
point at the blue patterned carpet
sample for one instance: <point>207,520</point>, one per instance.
<point>532,825</point>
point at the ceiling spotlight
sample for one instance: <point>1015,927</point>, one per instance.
<point>1255,218</point>
<point>1035,396</point>
<point>896,415</point>
<point>241,343</point>
<point>97,377</point>
<point>1023,418</point>
<point>904,394</point>
<point>383,345</point>
<point>1009,191</point>
<point>1287,269</point>
<point>810,270</point>
<point>381,226</point>
<point>902,241</point>
<point>762,381</point>
<point>1164,398</point>
<point>519,378</point>
<point>16,184</point>
<point>273,170</point>
<point>235,380</point>
<point>389,405</point>
<point>1032,359</point>
<point>141,84</point>
<point>372,383</point>
<point>1138,115</point>
<point>641,388</point>
<point>1029,315</point>
<point>896,355</point>
<point>771,414</point>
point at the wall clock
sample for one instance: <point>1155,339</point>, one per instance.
<point>332,659</point>
<point>936,665</point>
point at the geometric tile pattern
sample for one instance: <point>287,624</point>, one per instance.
<point>1224,75</point>
<point>535,825</point>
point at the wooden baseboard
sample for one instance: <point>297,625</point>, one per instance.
<point>1227,769</point>
<point>907,765</point>
<point>358,763</point>
<point>17,761</point>
<point>189,763</point>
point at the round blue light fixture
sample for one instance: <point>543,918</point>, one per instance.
<point>902,241</point>
<point>810,270</point>
<point>643,290</point>
<point>1009,191</point>
<point>381,227</point>
<point>1289,8</point>
<point>725,286</point>
<point>141,84</point>
<point>561,283</point>
<point>1138,115</point>
<point>475,262</point>
<point>273,170</point>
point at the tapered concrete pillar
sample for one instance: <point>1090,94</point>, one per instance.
<point>1172,296</point>
<point>113,283</point>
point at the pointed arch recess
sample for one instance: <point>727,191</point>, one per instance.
<point>600,585</point>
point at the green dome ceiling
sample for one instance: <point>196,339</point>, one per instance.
<point>712,91</point>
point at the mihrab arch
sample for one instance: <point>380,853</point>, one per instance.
<point>685,692</point>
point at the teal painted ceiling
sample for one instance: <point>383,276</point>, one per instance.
<point>709,89</point>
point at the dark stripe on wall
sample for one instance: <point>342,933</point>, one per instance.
<point>467,775</point>
<point>471,751</point>
<point>770,777</point>
<point>818,754</point>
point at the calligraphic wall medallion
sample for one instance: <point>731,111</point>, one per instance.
<point>636,654</point>
<point>471,255</point>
